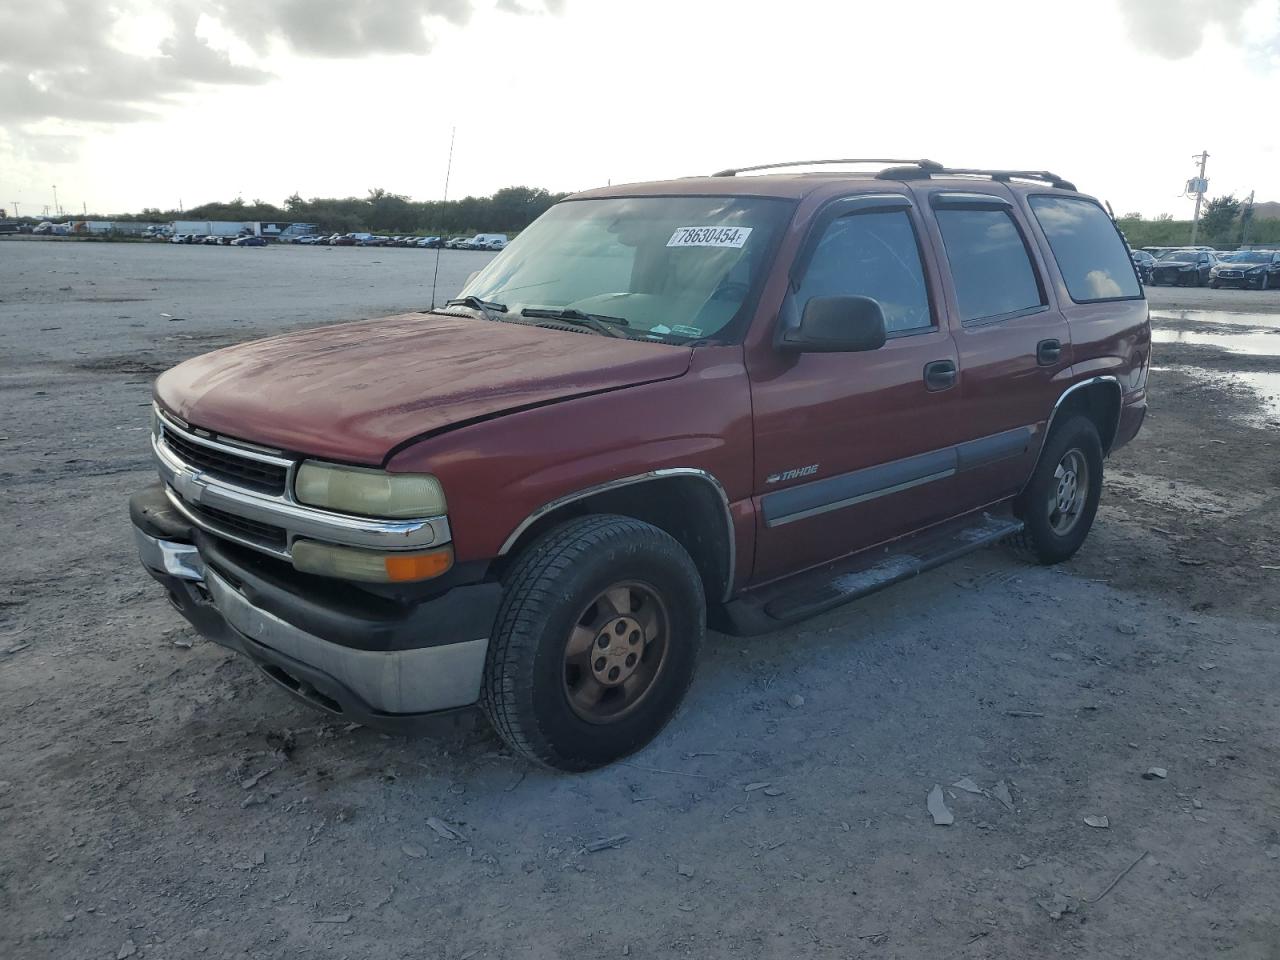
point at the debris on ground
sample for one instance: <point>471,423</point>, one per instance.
<point>334,918</point>
<point>795,701</point>
<point>1057,906</point>
<point>684,870</point>
<point>1099,822</point>
<point>608,843</point>
<point>1120,876</point>
<point>773,791</point>
<point>967,785</point>
<point>127,949</point>
<point>415,850</point>
<point>942,817</point>
<point>17,648</point>
<point>758,785</point>
<point>1023,862</point>
<point>442,829</point>
<point>1155,773</point>
<point>1001,793</point>
<point>254,780</point>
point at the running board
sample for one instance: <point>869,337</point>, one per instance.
<point>817,591</point>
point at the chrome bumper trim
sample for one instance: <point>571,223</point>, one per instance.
<point>395,681</point>
<point>181,560</point>
<point>415,681</point>
<point>194,487</point>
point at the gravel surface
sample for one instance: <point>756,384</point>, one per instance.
<point>160,798</point>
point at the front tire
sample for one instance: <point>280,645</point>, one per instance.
<point>1060,501</point>
<point>595,642</point>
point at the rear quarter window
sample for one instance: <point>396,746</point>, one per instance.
<point>1088,248</point>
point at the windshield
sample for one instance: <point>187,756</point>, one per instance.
<point>672,267</point>
<point>1251,256</point>
<point>1186,256</point>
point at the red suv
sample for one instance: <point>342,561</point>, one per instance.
<point>735,399</point>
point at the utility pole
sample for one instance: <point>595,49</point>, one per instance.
<point>56,209</point>
<point>1246,220</point>
<point>1201,185</point>
<point>16,214</point>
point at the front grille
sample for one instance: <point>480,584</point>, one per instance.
<point>222,463</point>
<point>264,534</point>
<point>1230,274</point>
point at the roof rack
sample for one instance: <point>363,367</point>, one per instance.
<point>913,170</point>
<point>734,171</point>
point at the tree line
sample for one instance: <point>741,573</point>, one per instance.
<point>509,210</point>
<point>1225,223</point>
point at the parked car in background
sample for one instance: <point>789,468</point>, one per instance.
<point>429,243</point>
<point>487,241</point>
<point>180,238</point>
<point>1144,263</point>
<point>249,242</point>
<point>1183,268</point>
<point>346,240</point>
<point>457,243</point>
<point>1257,269</point>
<point>735,400</point>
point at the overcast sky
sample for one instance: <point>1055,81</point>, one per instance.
<point>130,103</point>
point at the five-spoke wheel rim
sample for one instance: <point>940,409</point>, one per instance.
<point>1068,492</point>
<point>615,651</point>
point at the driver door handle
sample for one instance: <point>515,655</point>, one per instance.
<point>940,375</point>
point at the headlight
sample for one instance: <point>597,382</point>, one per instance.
<point>348,563</point>
<point>369,493</point>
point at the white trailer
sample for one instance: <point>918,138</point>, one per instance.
<point>218,228</point>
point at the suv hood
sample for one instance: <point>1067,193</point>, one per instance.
<point>355,391</point>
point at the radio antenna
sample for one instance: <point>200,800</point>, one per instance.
<point>435,275</point>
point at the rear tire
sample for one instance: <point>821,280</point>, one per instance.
<point>1058,506</point>
<point>555,688</point>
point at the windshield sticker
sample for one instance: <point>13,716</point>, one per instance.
<point>709,237</point>
<point>685,331</point>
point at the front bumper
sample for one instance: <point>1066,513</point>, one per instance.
<point>390,668</point>
<point>1245,281</point>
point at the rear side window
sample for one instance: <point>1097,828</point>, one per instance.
<point>989,264</point>
<point>872,255</point>
<point>1088,249</point>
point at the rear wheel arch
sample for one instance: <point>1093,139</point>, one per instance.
<point>1099,399</point>
<point>688,504</point>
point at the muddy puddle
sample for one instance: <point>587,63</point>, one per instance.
<point>1217,317</point>
<point>1246,340</point>
<point>1264,387</point>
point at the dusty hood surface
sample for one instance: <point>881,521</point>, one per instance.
<point>353,392</point>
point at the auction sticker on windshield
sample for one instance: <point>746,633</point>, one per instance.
<point>709,237</point>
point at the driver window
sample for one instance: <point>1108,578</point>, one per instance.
<point>872,255</point>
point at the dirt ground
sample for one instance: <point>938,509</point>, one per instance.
<point>159,798</point>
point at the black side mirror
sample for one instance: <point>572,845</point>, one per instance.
<point>837,325</point>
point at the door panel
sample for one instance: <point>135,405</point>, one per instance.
<point>1010,375</point>
<point>854,448</point>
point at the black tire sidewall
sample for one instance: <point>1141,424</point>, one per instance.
<point>560,737</point>
<point>1050,547</point>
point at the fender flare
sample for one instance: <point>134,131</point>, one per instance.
<point>649,477</point>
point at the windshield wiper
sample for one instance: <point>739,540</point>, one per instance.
<point>607,326</point>
<point>487,308</point>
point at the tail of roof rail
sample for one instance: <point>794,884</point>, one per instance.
<point>917,171</point>
<point>917,164</point>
